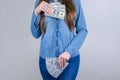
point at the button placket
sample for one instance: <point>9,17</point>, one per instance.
<point>56,30</point>
<point>57,37</point>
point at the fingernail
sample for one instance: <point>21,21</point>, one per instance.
<point>51,11</point>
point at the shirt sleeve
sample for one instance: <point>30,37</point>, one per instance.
<point>81,30</point>
<point>35,23</point>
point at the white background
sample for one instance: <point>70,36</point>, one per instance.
<point>100,53</point>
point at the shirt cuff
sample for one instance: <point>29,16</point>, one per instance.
<point>70,50</point>
<point>36,20</point>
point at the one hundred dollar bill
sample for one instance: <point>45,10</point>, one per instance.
<point>58,10</point>
<point>53,67</point>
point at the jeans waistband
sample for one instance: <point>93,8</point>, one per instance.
<point>71,59</point>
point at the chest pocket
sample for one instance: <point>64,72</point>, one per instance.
<point>47,20</point>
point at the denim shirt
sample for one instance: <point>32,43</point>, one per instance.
<point>58,38</point>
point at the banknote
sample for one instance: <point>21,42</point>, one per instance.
<point>58,10</point>
<point>53,67</point>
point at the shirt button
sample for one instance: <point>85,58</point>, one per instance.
<point>56,38</point>
<point>57,55</point>
<point>56,47</point>
<point>56,30</point>
<point>57,21</point>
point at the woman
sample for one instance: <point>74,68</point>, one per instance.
<point>61,38</point>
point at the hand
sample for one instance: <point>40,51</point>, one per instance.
<point>63,58</point>
<point>45,7</point>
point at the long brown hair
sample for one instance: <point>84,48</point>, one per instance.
<point>70,14</point>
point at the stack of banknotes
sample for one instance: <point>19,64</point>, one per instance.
<point>58,10</point>
<point>53,67</point>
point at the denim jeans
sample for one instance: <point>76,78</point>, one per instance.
<point>69,73</point>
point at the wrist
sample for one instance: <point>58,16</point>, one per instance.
<point>68,55</point>
<point>36,12</point>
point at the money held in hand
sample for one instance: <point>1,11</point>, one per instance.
<point>58,10</point>
<point>53,67</point>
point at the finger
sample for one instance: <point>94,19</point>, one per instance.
<point>48,5</point>
<point>59,61</point>
<point>62,62</point>
<point>42,7</point>
<point>47,9</point>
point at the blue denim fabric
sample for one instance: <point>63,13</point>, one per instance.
<point>58,38</point>
<point>69,73</point>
